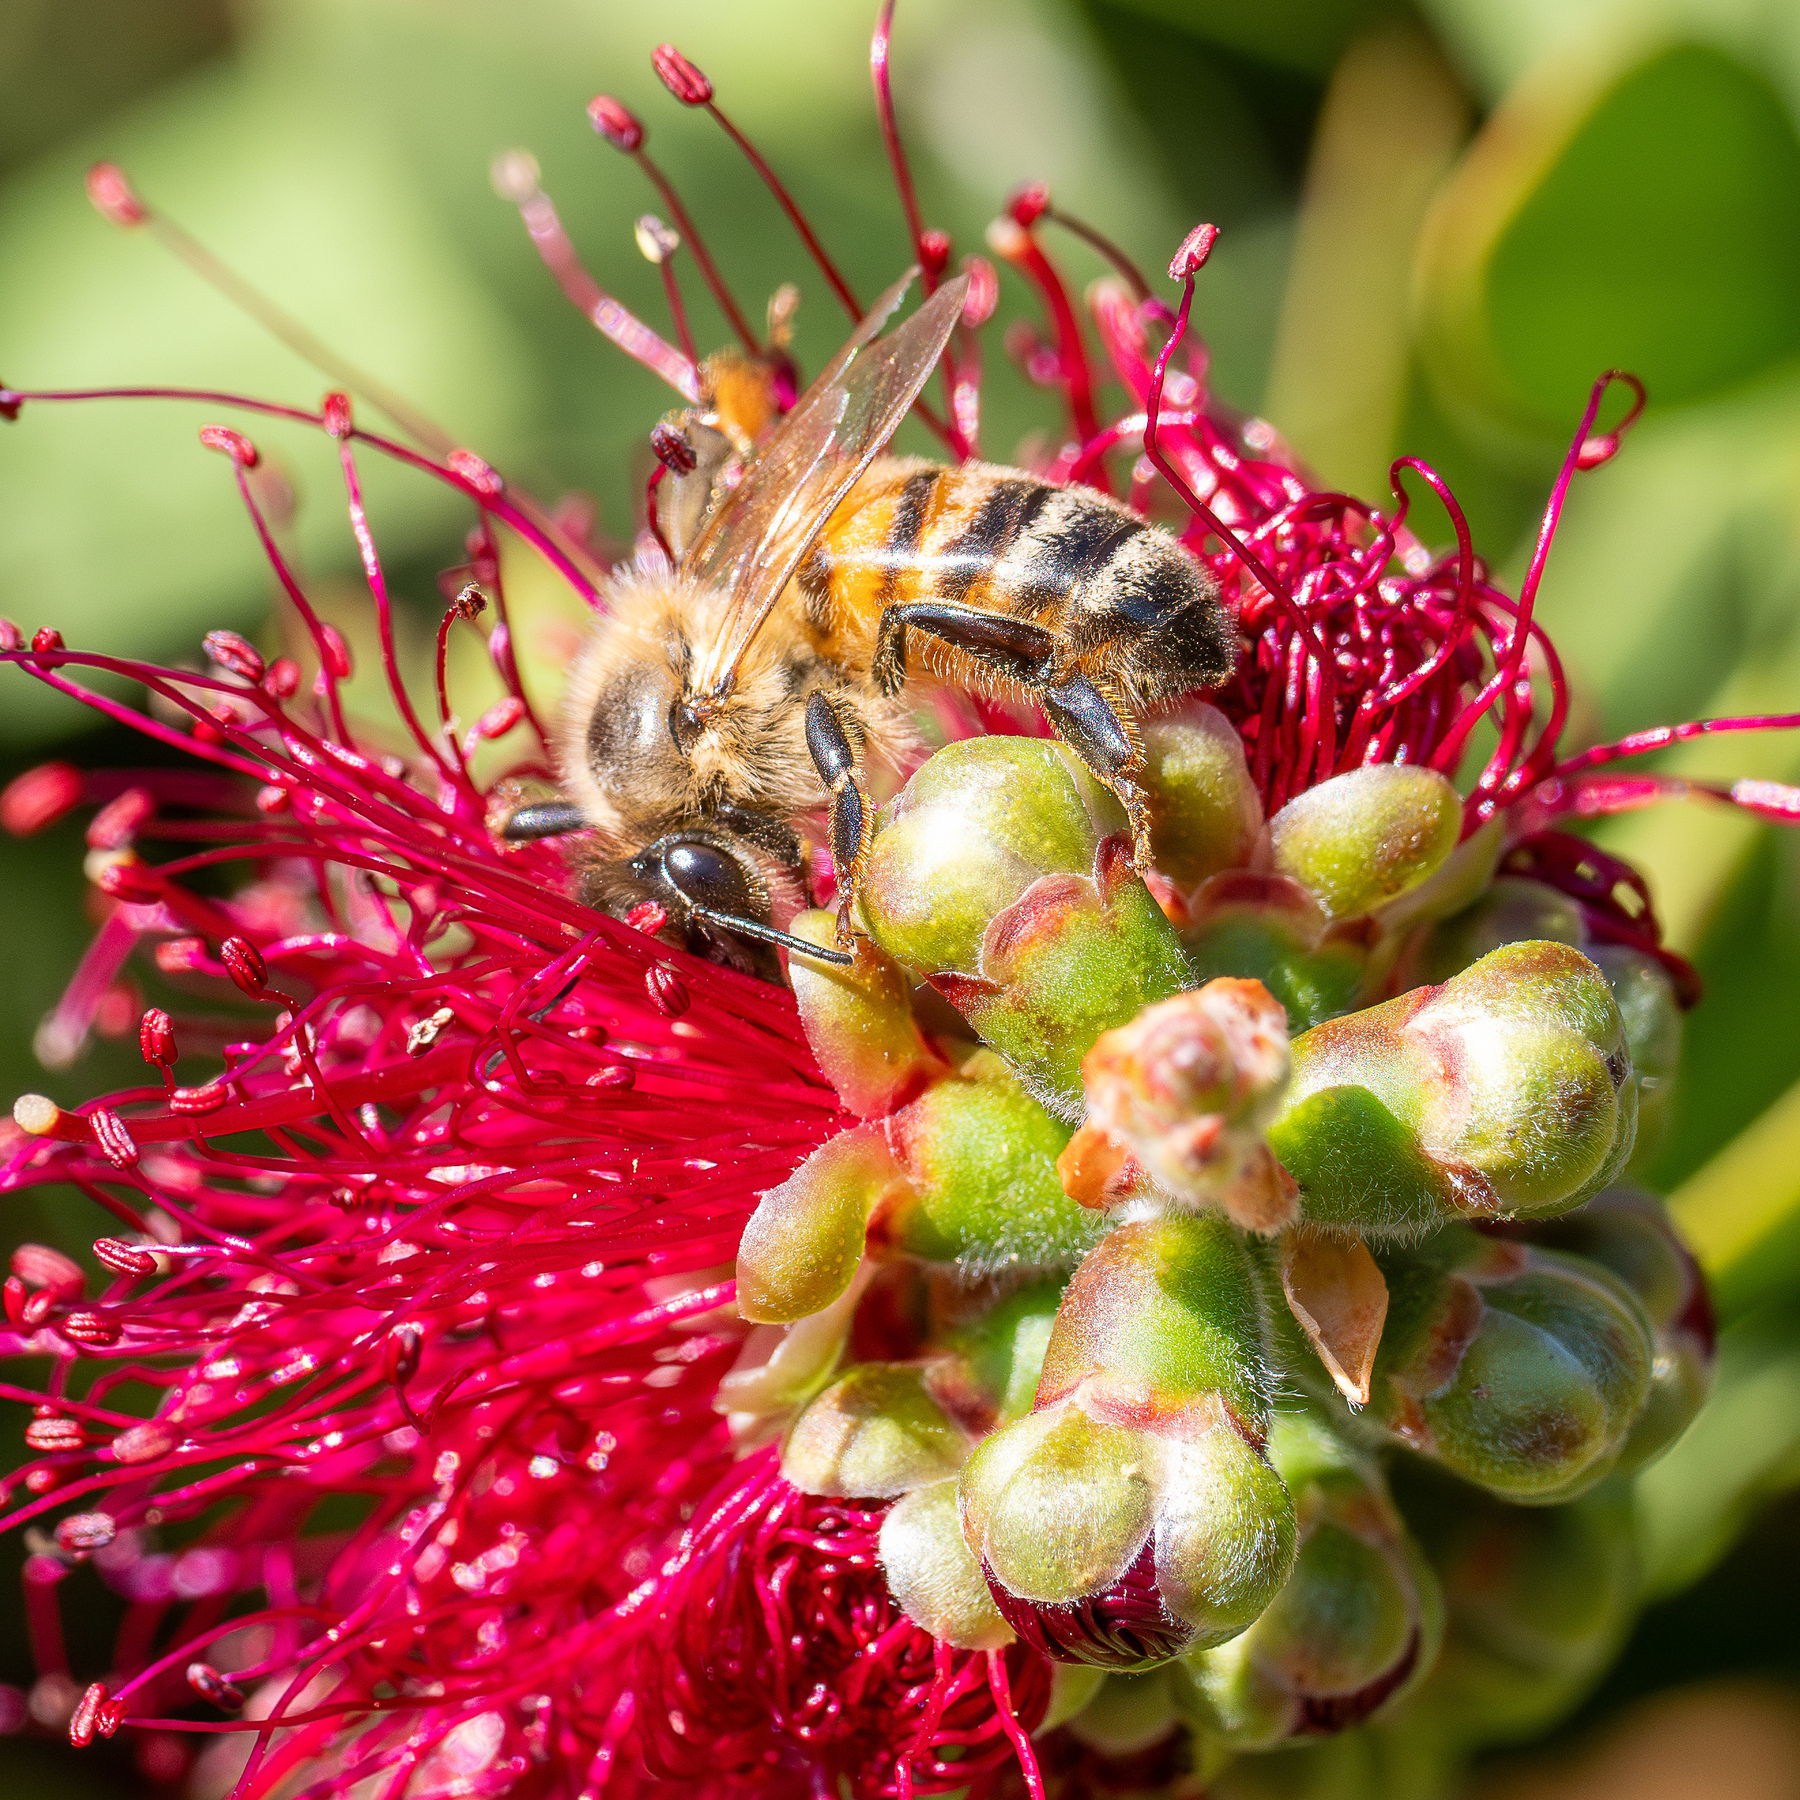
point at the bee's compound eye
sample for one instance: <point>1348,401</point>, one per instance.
<point>707,876</point>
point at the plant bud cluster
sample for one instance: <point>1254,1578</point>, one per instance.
<point>1228,1270</point>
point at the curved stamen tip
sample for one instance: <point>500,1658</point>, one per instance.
<point>1028,204</point>
<point>513,175</point>
<point>680,76</point>
<point>1196,247</point>
<point>616,123</point>
<point>1603,446</point>
<point>114,197</point>
<point>230,443</point>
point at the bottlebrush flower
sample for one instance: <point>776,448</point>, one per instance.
<point>424,1421</point>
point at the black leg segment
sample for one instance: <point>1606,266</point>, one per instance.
<point>542,819</point>
<point>1019,649</point>
<point>1090,725</point>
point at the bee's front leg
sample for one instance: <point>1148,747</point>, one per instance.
<point>852,816</point>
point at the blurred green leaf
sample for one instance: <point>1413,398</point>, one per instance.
<point>1644,216</point>
<point>1306,35</point>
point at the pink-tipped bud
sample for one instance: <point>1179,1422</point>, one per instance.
<point>334,651</point>
<point>672,449</point>
<point>123,1258</point>
<point>1196,247</point>
<point>668,992</point>
<point>91,1328</point>
<point>39,1266</point>
<point>130,880</point>
<point>119,821</point>
<point>116,1143</point>
<point>335,414</point>
<point>1028,204</point>
<point>113,197</point>
<point>238,654</point>
<point>474,472</point>
<point>209,1684</point>
<point>81,1534</point>
<point>934,252</point>
<point>680,76</point>
<point>230,443</point>
<point>984,291</point>
<point>39,797</point>
<point>283,678</point>
<point>617,124</point>
<point>244,964</point>
<point>156,1038</point>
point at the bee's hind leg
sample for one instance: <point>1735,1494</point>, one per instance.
<point>1099,731</point>
<point>852,816</point>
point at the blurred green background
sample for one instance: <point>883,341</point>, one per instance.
<point>1441,221</point>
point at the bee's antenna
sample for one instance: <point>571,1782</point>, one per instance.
<point>767,934</point>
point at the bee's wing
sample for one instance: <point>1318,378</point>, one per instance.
<point>761,529</point>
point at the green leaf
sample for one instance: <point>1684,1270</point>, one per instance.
<point>1644,216</point>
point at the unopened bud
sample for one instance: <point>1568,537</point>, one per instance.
<point>616,123</point>
<point>680,76</point>
<point>244,964</point>
<point>932,1574</point>
<point>876,1432</point>
<point>1205,810</point>
<point>112,196</point>
<point>38,798</point>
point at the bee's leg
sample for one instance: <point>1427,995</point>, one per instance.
<point>542,819</point>
<point>852,817</point>
<point>1019,649</point>
<point>1099,731</point>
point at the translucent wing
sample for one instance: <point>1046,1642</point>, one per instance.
<point>754,541</point>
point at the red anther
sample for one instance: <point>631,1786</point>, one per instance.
<point>335,414</point>
<point>130,880</point>
<point>499,718</point>
<point>123,1258</point>
<point>673,450</point>
<point>244,964</point>
<point>92,1328</point>
<point>616,123</point>
<point>272,798</point>
<point>1027,205</point>
<point>283,678</point>
<point>209,1684</point>
<point>181,956</point>
<point>934,253</point>
<point>13,1295</point>
<point>648,917</point>
<point>113,197</point>
<point>680,76</point>
<point>1196,247</point>
<point>196,1102</point>
<point>230,443</point>
<point>1597,450</point>
<point>116,1143</point>
<point>11,637</point>
<point>37,1308</point>
<point>403,1355</point>
<point>668,992</point>
<point>617,1079</point>
<point>110,1717</point>
<point>984,291</point>
<point>50,1433</point>
<point>119,821</point>
<point>481,476</point>
<point>86,1718</point>
<point>43,1267</point>
<point>80,1534</point>
<point>39,797</point>
<point>334,651</point>
<point>471,602</point>
<point>46,638</point>
<point>145,1443</point>
<point>234,652</point>
<point>43,1481</point>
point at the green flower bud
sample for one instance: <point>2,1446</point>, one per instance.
<point>877,1431</point>
<point>991,1375</point>
<point>966,1174</point>
<point>1521,1370</point>
<point>1132,1514</point>
<point>933,1575</point>
<point>1538,1600</point>
<point>1631,1234</point>
<point>999,873</point>
<point>1205,812</point>
<point>1359,840</point>
<point>1271,929</point>
<point>859,1023</point>
<point>1127,1714</point>
<point>1505,1090</point>
<point>1357,1624</point>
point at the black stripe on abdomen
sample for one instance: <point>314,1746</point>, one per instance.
<point>907,527</point>
<point>1073,549</point>
<point>1004,515</point>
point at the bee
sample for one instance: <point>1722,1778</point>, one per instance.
<point>720,701</point>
